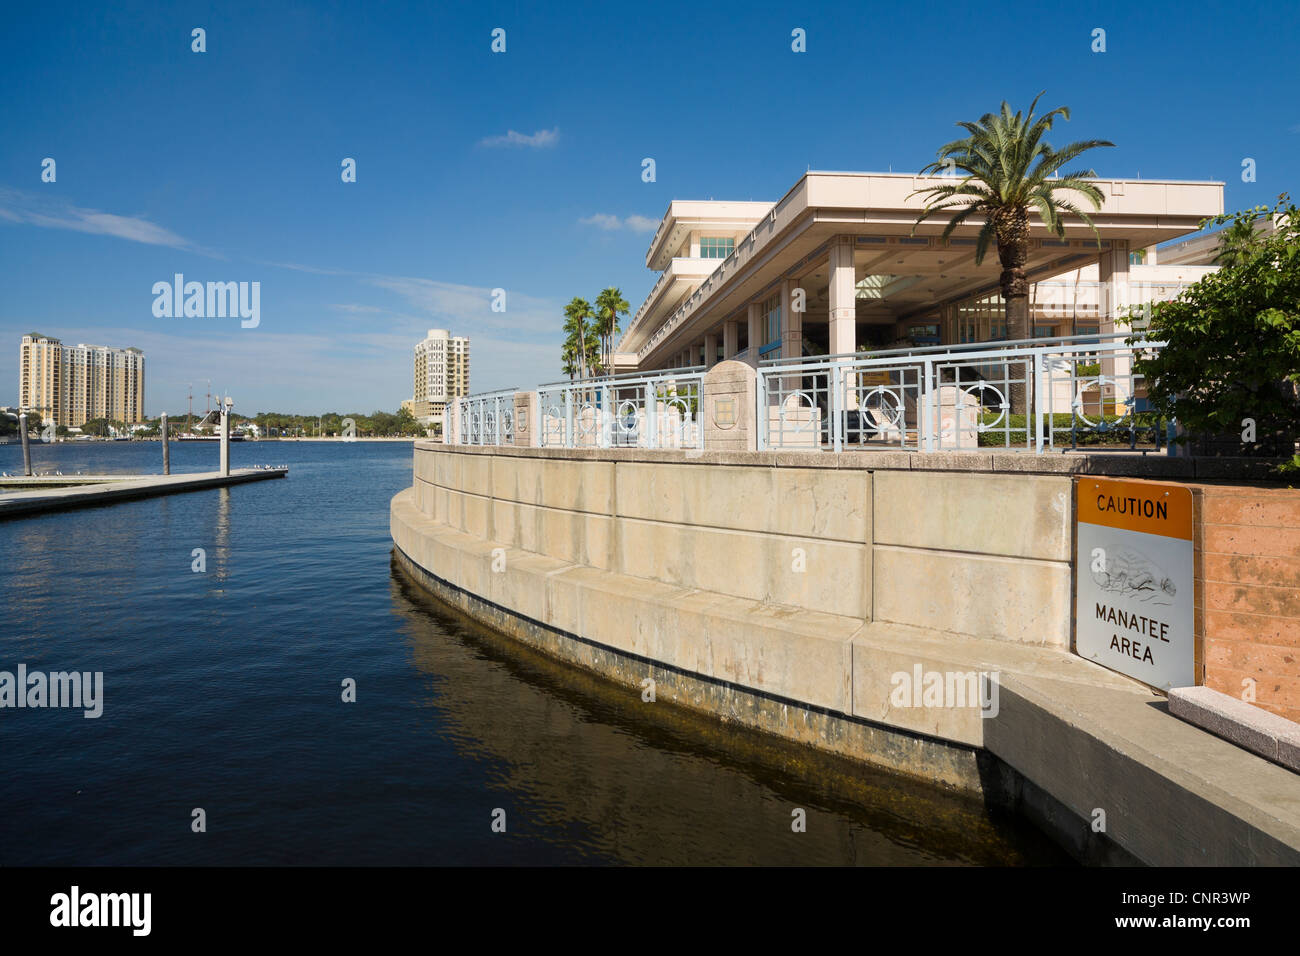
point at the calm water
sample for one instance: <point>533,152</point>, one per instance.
<point>222,691</point>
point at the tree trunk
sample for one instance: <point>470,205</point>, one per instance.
<point>1012,227</point>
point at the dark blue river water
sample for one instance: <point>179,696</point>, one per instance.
<point>222,691</point>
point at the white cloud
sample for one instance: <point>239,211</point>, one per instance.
<point>634,223</point>
<point>465,309</point>
<point>603,220</point>
<point>542,139</point>
<point>21,207</point>
<point>355,309</point>
<point>314,270</point>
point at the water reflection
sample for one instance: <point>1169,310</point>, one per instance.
<point>619,779</point>
<point>221,538</point>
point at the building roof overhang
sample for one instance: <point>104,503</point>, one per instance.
<point>879,212</point>
<point>685,216</point>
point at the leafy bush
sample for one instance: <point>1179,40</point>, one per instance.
<point>1149,427</point>
<point>1234,338</point>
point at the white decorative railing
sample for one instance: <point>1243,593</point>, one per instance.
<point>625,411</point>
<point>952,398</point>
<point>1034,395</point>
<point>486,419</point>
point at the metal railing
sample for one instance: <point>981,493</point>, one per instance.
<point>1035,395</point>
<point>623,411</point>
<point>486,419</point>
<point>960,397</point>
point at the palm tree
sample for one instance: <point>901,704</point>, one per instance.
<point>579,334</point>
<point>1010,169</point>
<point>610,304</point>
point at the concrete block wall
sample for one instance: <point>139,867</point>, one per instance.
<point>710,529</point>
<point>1248,593</point>
<point>976,555</point>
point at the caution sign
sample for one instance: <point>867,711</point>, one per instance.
<point>1134,576</point>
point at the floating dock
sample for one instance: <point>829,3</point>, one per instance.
<point>45,493</point>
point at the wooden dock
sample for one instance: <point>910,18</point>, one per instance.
<point>25,496</point>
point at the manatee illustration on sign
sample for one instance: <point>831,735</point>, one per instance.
<point>1133,574</point>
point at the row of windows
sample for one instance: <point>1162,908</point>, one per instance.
<point>716,247</point>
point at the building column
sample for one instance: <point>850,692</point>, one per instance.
<point>1112,271</point>
<point>730,339</point>
<point>1113,302</point>
<point>791,322</point>
<point>710,350</point>
<point>756,342</point>
<point>843,296</point>
<point>791,334</point>
<point>842,319</point>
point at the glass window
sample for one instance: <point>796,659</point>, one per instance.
<point>715,247</point>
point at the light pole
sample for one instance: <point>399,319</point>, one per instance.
<point>167,460</point>
<point>21,419</point>
<point>224,406</point>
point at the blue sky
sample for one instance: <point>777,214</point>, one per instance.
<point>225,165</point>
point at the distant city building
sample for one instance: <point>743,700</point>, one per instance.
<point>73,384</point>
<point>441,374</point>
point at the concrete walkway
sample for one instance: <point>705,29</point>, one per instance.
<point>92,490</point>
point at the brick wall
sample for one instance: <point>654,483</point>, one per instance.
<point>1248,592</point>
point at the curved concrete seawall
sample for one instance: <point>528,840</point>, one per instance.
<point>815,597</point>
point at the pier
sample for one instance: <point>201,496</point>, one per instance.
<point>49,493</point>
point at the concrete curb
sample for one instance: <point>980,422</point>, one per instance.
<point>1272,737</point>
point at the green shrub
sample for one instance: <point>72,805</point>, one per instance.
<point>1233,352</point>
<point>1116,432</point>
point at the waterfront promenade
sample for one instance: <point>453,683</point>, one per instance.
<point>905,602</point>
<point>646,565</point>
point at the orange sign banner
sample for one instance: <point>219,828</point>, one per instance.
<point>1146,507</point>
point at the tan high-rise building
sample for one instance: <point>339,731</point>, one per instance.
<point>72,384</point>
<point>441,374</point>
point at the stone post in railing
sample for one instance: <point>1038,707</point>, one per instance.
<point>727,413</point>
<point>526,420</point>
<point>451,423</point>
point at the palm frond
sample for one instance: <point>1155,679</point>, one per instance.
<point>982,240</point>
<point>1007,164</point>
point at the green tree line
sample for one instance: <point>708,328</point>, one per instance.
<point>378,424</point>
